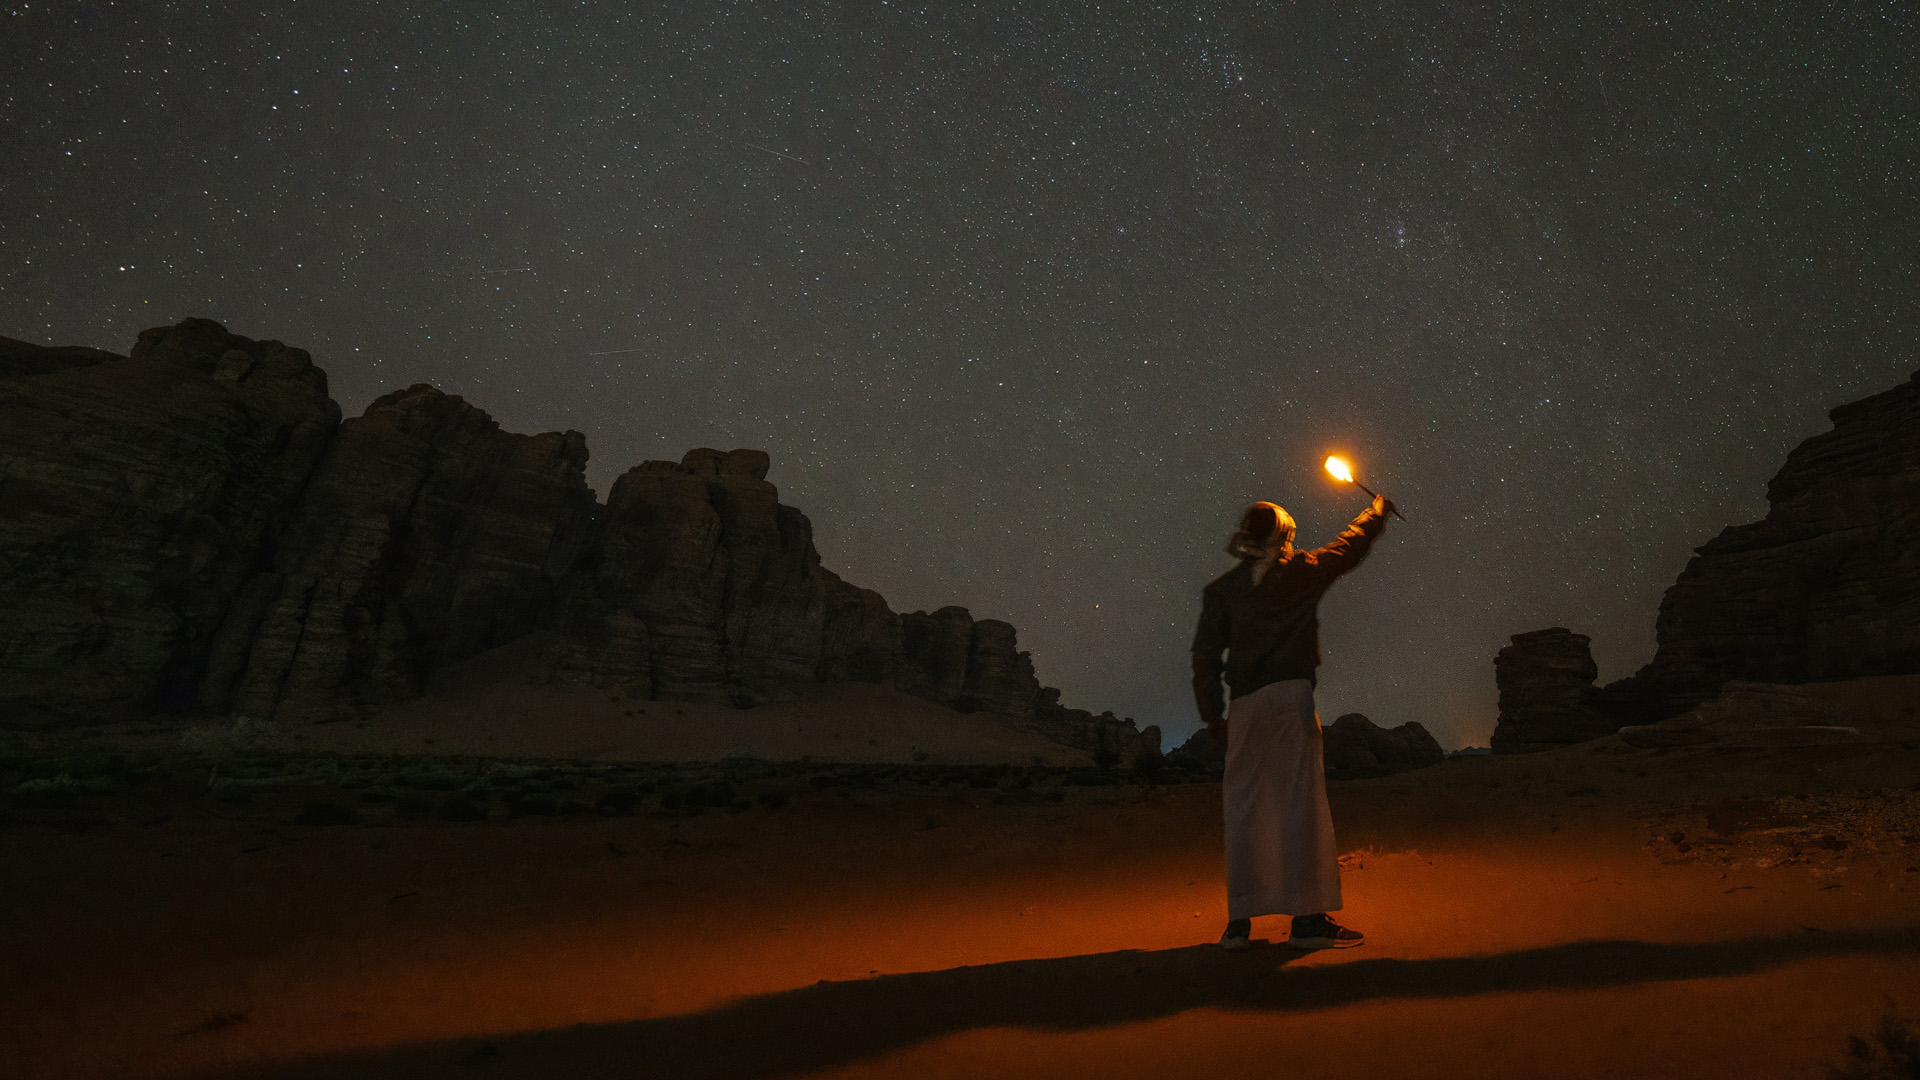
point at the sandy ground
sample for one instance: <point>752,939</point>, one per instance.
<point>1730,910</point>
<point>493,705</point>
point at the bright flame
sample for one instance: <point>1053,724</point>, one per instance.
<point>1339,470</point>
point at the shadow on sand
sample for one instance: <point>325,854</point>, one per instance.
<point>836,1023</point>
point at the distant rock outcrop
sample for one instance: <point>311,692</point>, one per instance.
<point>1356,748</point>
<point>1353,748</point>
<point>1547,696</point>
<point>193,528</point>
<point>1200,750</point>
<point>1826,587</point>
<point>137,494</point>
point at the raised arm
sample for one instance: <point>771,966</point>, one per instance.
<point>1353,543</point>
<point>1209,646</point>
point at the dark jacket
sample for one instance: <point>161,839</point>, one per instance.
<point>1270,631</point>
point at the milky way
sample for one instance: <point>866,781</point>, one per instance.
<point>1026,302</point>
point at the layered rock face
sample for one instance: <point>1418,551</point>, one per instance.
<point>701,586</point>
<point>1356,748</point>
<point>135,497</point>
<point>1547,696</point>
<point>1826,586</point>
<point>426,535</point>
<point>192,527</point>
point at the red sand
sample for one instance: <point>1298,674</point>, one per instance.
<point>1529,935</point>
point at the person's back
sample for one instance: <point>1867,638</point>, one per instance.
<point>1263,615</point>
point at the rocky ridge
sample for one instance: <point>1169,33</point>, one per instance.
<point>1353,747</point>
<point>1825,588</point>
<point>193,528</point>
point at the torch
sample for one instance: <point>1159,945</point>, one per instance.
<point>1343,473</point>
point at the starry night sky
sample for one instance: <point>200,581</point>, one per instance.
<point>1028,301</point>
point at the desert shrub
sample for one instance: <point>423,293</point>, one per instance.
<point>413,806</point>
<point>1892,1052</point>
<point>772,800</point>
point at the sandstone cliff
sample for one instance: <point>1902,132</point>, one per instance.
<point>135,497</point>
<point>1825,587</point>
<point>193,528</point>
<point>425,536</point>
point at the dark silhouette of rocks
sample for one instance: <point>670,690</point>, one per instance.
<point>1201,749</point>
<point>1547,696</point>
<point>1107,737</point>
<point>427,535</point>
<point>701,586</point>
<point>1825,587</point>
<point>1353,747</point>
<point>138,495</point>
<point>25,358</point>
<point>1356,748</point>
<point>193,528</point>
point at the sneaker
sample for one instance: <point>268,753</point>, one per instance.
<point>1323,933</point>
<point>1236,935</point>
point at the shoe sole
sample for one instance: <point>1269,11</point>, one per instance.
<point>1314,944</point>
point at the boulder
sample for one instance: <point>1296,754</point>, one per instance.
<point>137,494</point>
<point>1356,747</point>
<point>1547,696</point>
<point>1825,587</point>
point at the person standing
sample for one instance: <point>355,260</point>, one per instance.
<point>1263,615</point>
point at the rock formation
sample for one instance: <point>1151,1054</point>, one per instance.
<point>1547,696</point>
<point>1353,747</point>
<point>1356,748</point>
<point>193,528</point>
<point>135,497</point>
<point>1200,750</point>
<point>1826,586</point>
<point>426,535</point>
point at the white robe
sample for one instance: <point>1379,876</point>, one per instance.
<point>1280,848</point>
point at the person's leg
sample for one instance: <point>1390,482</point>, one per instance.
<point>1321,932</point>
<point>1236,935</point>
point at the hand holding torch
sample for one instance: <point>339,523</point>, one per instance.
<point>1342,472</point>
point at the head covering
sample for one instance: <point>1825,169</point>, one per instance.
<point>1243,545</point>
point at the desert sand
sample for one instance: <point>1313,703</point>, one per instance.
<point>1737,908</point>
<point>499,704</point>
